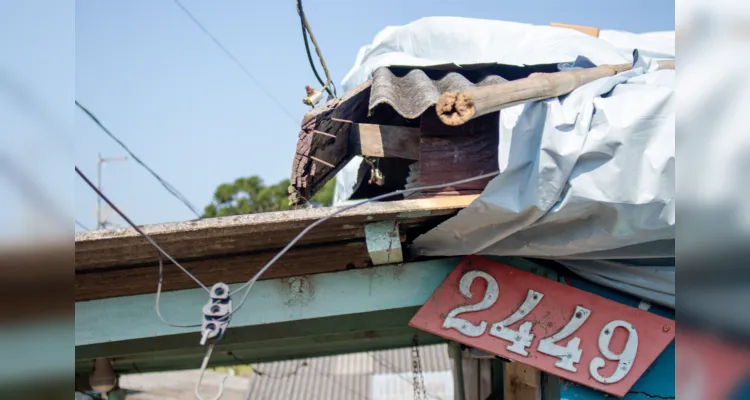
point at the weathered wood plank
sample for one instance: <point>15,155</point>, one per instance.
<point>251,232</point>
<point>477,378</point>
<point>331,153</point>
<point>448,153</point>
<point>522,382</point>
<point>231,249</point>
<point>119,282</point>
<point>384,141</point>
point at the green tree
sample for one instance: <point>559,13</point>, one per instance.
<point>251,195</point>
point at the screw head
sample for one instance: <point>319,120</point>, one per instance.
<point>215,309</point>
<point>219,291</point>
<point>665,328</point>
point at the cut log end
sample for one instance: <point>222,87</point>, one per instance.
<point>455,108</point>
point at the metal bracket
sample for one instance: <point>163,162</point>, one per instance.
<point>384,243</point>
<point>478,354</point>
<point>216,313</point>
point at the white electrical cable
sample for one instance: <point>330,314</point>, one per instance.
<point>249,284</point>
<point>299,236</point>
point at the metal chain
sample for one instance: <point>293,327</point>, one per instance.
<point>420,390</point>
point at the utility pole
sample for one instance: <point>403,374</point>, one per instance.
<point>102,223</point>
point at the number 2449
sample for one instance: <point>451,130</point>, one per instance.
<point>521,339</point>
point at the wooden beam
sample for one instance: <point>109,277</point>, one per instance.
<point>250,232</point>
<point>120,262</point>
<point>448,153</point>
<point>340,293</point>
<point>477,377</point>
<point>457,108</point>
<point>333,307</point>
<point>589,30</point>
<point>522,382</point>
<point>384,141</point>
<point>319,155</point>
<point>141,279</point>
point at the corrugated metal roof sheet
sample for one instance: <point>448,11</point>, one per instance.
<point>351,376</point>
<point>379,375</point>
<point>412,94</point>
<point>410,91</point>
<point>395,96</point>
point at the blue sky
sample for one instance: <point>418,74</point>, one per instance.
<point>178,102</point>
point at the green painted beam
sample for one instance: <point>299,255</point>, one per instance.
<point>323,314</point>
<point>347,306</point>
<point>271,301</point>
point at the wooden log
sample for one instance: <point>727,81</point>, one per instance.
<point>384,141</point>
<point>456,108</point>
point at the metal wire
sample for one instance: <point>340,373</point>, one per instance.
<point>399,374</point>
<point>328,85</point>
<point>158,299</point>
<point>171,189</point>
<point>137,229</point>
<point>248,285</point>
<point>236,61</point>
<point>204,365</point>
<point>82,226</point>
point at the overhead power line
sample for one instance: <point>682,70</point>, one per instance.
<point>328,84</point>
<point>237,61</point>
<point>82,226</point>
<point>171,189</point>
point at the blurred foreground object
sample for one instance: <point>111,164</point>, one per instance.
<point>713,125</point>
<point>36,225</point>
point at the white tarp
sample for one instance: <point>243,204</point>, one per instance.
<point>586,179</point>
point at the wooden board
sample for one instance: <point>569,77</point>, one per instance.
<point>521,382</point>
<point>384,141</point>
<point>450,153</point>
<point>113,263</point>
<point>319,156</point>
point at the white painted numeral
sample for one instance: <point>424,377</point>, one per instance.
<point>625,359</point>
<point>520,339</point>
<point>569,355</point>
<point>490,297</point>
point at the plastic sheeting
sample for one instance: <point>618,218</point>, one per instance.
<point>586,179</point>
<point>443,40</point>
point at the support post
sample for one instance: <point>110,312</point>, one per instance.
<point>522,382</point>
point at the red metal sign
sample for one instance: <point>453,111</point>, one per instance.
<point>556,328</point>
